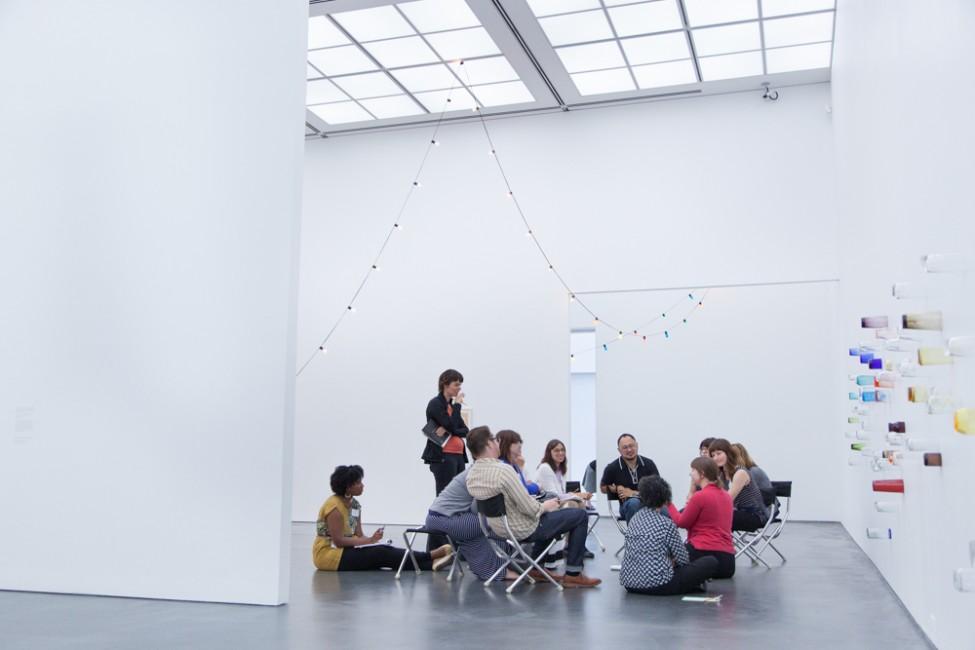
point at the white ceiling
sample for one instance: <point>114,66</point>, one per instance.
<point>377,63</point>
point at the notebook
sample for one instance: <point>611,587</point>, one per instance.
<point>430,431</point>
<point>572,486</point>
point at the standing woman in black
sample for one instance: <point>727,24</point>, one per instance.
<point>448,461</point>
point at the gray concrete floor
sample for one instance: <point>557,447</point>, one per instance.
<point>828,595</point>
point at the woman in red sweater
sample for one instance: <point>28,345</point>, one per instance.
<point>707,518</point>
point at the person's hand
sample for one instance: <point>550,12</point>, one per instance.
<point>459,399</point>
<point>441,431</point>
<point>376,536</point>
<point>611,488</point>
<point>551,505</point>
<point>585,496</point>
<point>520,460</point>
<point>625,492</point>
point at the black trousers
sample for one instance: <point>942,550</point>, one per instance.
<point>370,558</point>
<point>746,521</point>
<point>443,474</point>
<point>726,561</point>
<point>687,579</point>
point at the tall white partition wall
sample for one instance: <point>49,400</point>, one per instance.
<point>751,365</point>
<point>905,169</point>
<point>723,189</point>
<point>150,184</point>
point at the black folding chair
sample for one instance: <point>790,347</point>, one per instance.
<point>617,516</point>
<point>783,493</point>
<point>494,508</point>
<point>410,534</point>
<point>745,541</point>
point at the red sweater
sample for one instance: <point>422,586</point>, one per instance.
<point>707,518</point>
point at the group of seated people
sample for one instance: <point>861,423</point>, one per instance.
<point>725,495</point>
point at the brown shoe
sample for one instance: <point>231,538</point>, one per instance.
<point>540,577</point>
<point>581,580</point>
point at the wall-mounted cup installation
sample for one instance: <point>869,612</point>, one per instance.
<point>918,394</point>
<point>864,380</point>
<point>887,506</point>
<point>876,364</point>
<point>885,379</point>
<point>922,444</point>
<point>869,396</point>
<point>908,368</point>
<point>900,344</point>
<point>908,290</point>
<point>873,322</point>
<point>895,485</point>
<point>858,446</point>
<point>939,404</point>
<point>932,459</point>
<point>884,395</point>
<point>865,356</point>
<point>854,352</point>
<point>860,409</point>
<point>880,533</point>
<point>854,460</point>
<point>946,263</point>
<point>897,439</point>
<point>961,346</point>
<point>965,421</point>
<point>927,320</point>
<point>858,435</point>
<point>897,427</point>
<point>853,419</point>
<point>933,357</point>
<point>887,333</point>
<point>853,395</point>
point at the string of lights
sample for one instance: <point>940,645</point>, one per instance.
<point>530,233</point>
<point>396,226</point>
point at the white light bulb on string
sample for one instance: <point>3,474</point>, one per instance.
<point>323,349</point>
<point>375,267</point>
<point>417,184</point>
<point>396,226</point>
<point>572,297</point>
<point>510,194</point>
<point>528,234</point>
<point>435,142</point>
<point>351,309</point>
<point>572,357</point>
<point>551,268</point>
<point>619,335</point>
<point>492,152</point>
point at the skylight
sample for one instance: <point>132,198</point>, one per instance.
<point>731,39</point>
<point>403,59</point>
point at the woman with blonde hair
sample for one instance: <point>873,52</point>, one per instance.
<point>757,473</point>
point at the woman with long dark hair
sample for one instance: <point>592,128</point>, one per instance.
<point>340,544</point>
<point>750,511</point>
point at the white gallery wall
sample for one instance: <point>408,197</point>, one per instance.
<point>902,96</point>
<point>712,190</point>
<point>752,365</point>
<point>150,184</point>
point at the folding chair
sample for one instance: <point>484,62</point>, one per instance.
<point>495,508</point>
<point>783,492</point>
<point>593,515</point>
<point>616,516</point>
<point>745,541</point>
<point>410,534</point>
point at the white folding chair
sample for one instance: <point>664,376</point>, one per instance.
<point>783,509</point>
<point>514,551</point>
<point>410,534</point>
<point>617,517</point>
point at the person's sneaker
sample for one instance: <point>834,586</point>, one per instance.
<point>581,580</point>
<point>589,555</point>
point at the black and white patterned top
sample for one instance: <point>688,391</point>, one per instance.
<point>652,546</point>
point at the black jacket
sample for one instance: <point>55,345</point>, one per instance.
<point>454,424</point>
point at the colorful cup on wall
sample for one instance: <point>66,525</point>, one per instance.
<point>965,421</point>
<point>873,322</point>
<point>895,485</point>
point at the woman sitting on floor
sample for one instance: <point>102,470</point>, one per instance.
<point>656,561</point>
<point>341,545</point>
<point>751,513</point>
<point>510,443</point>
<point>707,518</point>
